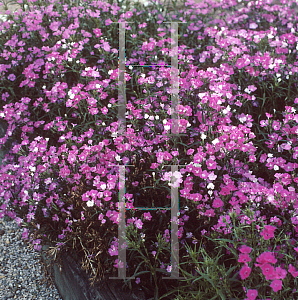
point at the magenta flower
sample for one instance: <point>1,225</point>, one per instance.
<point>11,77</point>
<point>97,32</point>
<point>268,271</point>
<point>244,258</point>
<point>276,285</point>
<point>244,272</point>
<point>266,257</point>
<point>280,273</point>
<point>293,271</point>
<point>118,264</point>
<point>147,216</point>
<point>217,203</point>
<point>128,14</point>
<point>104,110</point>
<point>268,232</point>
<point>245,249</point>
<point>139,223</point>
<point>252,294</point>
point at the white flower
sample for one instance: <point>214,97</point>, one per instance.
<point>226,110</point>
<point>97,86</point>
<point>276,168</point>
<point>203,136</point>
<point>32,169</point>
<point>90,203</point>
<point>117,157</point>
<point>270,155</point>
<point>210,186</point>
<point>215,141</point>
<point>71,95</point>
<point>146,116</point>
<point>156,117</point>
<point>109,105</point>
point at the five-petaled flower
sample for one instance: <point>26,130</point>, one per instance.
<point>268,232</point>
<point>244,272</point>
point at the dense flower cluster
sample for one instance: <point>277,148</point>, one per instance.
<point>236,150</point>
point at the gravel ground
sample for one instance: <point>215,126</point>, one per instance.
<point>21,275</point>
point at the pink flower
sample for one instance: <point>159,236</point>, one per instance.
<point>252,294</point>
<point>128,14</point>
<point>139,223</point>
<point>147,216</point>
<point>93,111</point>
<point>104,110</point>
<point>268,271</point>
<point>245,249</point>
<point>64,172</point>
<point>108,22</point>
<point>190,151</point>
<point>244,272</point>
<point>210,213</point>
<point>268,232</point>
<point>280,273</point>
<point>266,257</point>
<point>243,258</point>
<point>211,164</point>
<point>293,271</point>
<point>11,77</point>
<point>217,203</point>
<point>276,285</point>
<point>242,62</point>
<point>97,32</point>
<point>118,264</point>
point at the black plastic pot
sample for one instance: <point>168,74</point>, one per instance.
<point>73,284</point>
